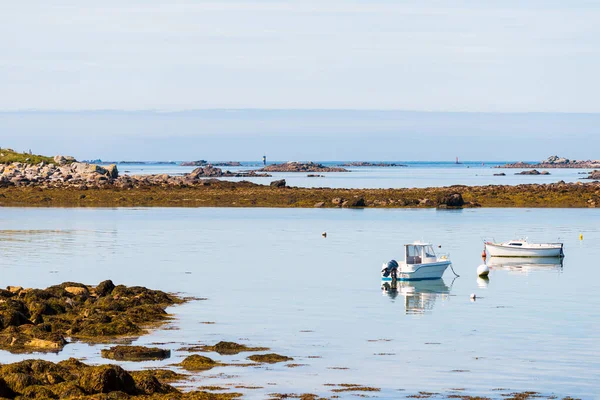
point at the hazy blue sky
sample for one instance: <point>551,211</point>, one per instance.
<point>452,55</point>
<point>496,57</point>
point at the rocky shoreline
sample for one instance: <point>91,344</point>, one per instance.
<point>556,162</point>
<point>82,175</point>
<point>64,182</point>
<point>182,192</point>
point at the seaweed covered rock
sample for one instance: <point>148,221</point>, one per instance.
<point>71,379</point>
<point>453,200</point>
<point>198,363</point>
<point>270,358</point>
<point>106,379</point>
<point>135,353</point>
<point>104,288</point>
<point>39,320</point>
<point>227,348</point>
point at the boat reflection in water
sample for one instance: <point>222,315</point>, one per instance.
<point>419,296</point>
<point>525,265</point>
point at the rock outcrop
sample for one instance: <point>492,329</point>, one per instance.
<point>22,174</point>
<point>197,163</point>
<point>556,162</point>
<point>533,172</point>
<point>72,379</point>
<point>135,353</point>
<point>211,172</point>
<point>227,164</point>
<point>293,166</point>
<point>39,320</point>
<point>84,176</point>
<point>594,175</point>
<point>278,183</point>
<point>454,200</point>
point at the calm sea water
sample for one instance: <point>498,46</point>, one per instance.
<point>270,279</point>
<point>415,174</point>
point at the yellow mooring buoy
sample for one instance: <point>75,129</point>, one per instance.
<point>581,236</point>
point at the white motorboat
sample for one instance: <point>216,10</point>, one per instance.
<point>522,248</point>
<point>420,263</point>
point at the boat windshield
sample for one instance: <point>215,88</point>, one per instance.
<point>413,254</point>
<point>429,253</point>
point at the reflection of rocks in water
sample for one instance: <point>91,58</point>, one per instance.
<point>526,265</point>
<point>419,296</point>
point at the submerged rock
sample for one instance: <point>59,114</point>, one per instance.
<point>228,348</point>
<point>269,358</point>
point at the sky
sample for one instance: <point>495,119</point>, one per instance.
<point>303,135</point>
<point>439,56</point>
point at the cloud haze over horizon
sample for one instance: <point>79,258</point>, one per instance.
<point>318,135</point>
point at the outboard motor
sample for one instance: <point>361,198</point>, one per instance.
<point>391,268</point>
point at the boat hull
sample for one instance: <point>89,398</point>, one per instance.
<point>495,250</point>
<point>419,272</point>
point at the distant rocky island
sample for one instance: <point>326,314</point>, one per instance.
<point>200,163</point>
<point>555,162</point>
<point>197,163</point>
<point>371,164</point>
<point>533,172</point>
<point>294,166</point>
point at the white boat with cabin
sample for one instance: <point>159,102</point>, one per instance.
<point>420,263</point>
<point>522,248</point>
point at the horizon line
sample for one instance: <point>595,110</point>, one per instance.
<point>187,110</point>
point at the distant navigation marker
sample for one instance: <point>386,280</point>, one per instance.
<point>264,160</point>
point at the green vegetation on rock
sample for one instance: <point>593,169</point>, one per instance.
<point>8,156</point>
<point>72,379</point>
<point>40,320</point>
<point>269,358</point>
<point>227,348</point>
<point>135,353</point>
<point>198,363</point>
